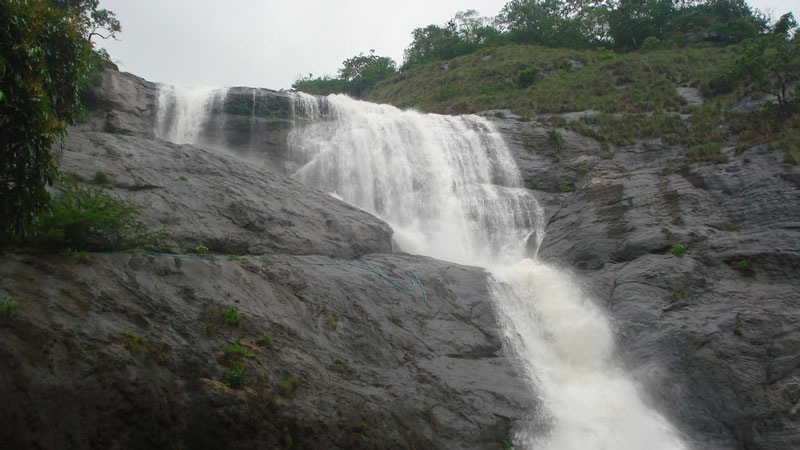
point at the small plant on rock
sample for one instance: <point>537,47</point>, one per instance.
<point>9,309</point>
<point>264,341</point>
<point>678,250</point>
<point>201,249</point>
<point>235,376</point>
<point>287,386</point>
<point>231,316</point>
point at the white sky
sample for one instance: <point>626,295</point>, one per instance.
<point>270,43</point>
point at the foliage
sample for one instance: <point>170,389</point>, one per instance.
<point>86,218</point>
<point>231,316</point>
<point>555,140</point>
<point>287,386</point>
<point>44,58</point>
<point>357,76</point>
<point>235,376</point>
<point>264,341</point>
<point>741,264</point>
<point>201,249</point>
<point>134,343</point>
<point>527,77</point>
<point>9,309</point>
<point>772,61</point>
<point>100,177</point>
<point>82,257</point>
<point>321,85</point>
<point>237,352</point>
<point>463,34</point>
<point>678,250</point>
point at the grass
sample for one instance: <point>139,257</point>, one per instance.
<point>134,344</point>
<point>741,264</point>
<point>216,317</point>
<point>237,353</point>
<point>635,94</point>
<point>9,309</point>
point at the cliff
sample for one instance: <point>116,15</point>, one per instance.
<point>133,350</point>
<point>130,351</point>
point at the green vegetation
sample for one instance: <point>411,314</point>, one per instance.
<point>9,309</point>
<point>264,341</point>
<point>201,249</point>
<point>217,316</point>
<point>235,376</point>
<point>231,317</point>
<point>358,76</point>
<point>83,258</point>
<point>566,186</point>
<point>100,177</point>
<point>741,264</point>
<point>679,250</point>
<point>287,386</point>
<point>45,58</point>
<point>134,343</point>
<point>333,322</point>
<point>86,218</point>
<point>237,353</point>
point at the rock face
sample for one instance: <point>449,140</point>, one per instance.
<point>716,344</point>
<point>133,350</point>
<point>129,352</point>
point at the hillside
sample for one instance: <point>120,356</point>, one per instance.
<point>681,96</point>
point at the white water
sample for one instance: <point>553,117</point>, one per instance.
<point>182,111</point>
<point>450,189</point>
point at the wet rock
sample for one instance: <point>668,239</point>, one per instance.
<point>715,347</point>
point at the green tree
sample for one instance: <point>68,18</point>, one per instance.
<point>773,61</point>
<point>45,54</point>
<point>362,72</point>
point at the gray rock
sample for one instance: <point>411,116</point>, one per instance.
<point>718,349</point>
<point>129,350</point>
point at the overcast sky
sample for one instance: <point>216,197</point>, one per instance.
<point>270,43</point>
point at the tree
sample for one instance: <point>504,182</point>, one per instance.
<point>45,54</point>
<point>362,72</point>
<point>773,61</point>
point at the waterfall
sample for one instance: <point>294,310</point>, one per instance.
<point>450,189</point>
<point>183,110</point>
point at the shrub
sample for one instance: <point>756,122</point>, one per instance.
<point>527,77</point>
<point>9,309</point>
<point>89,219</point>
<point>741,264</point>
<point>287,386</point>
<point>202,249</point>
<point>678,250</point>
<point>555,140</point>
<point>235,376</point>
<point>237,352</point>
<point>100,177</point>
<point>231,316</point>
<point>264,341</point>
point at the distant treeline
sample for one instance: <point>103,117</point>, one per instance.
<point>621,25</point>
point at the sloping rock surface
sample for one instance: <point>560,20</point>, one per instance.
<point>129,350</point>
<point>718,346</point>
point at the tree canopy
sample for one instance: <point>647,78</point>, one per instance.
<point>45,56</point>
<point>356,77</point>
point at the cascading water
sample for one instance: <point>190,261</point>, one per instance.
<point>450,189</point>
<point>182,111</point>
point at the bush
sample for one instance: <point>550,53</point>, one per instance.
<point>527,77</point>
<point>86,218</point>
<point>235,376</point>
<point>9,309</point>
<point>678,250</point>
